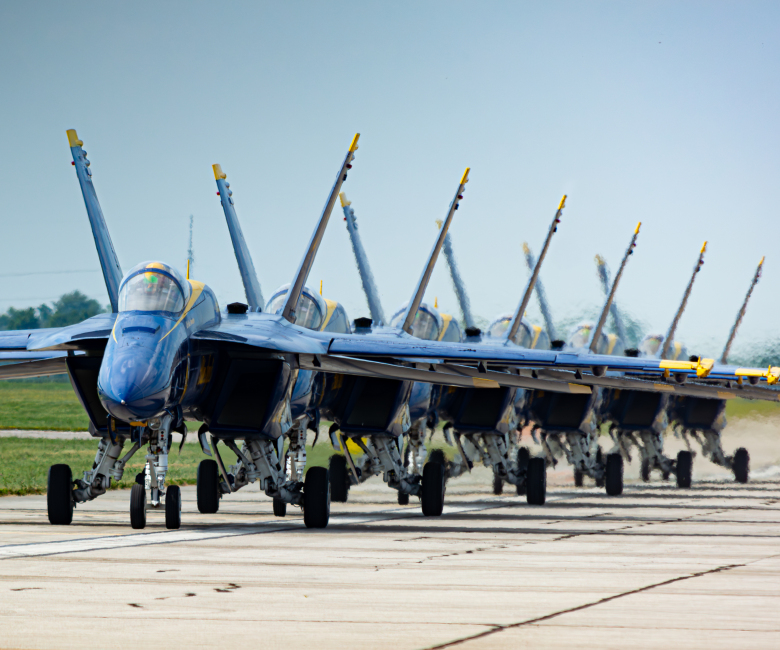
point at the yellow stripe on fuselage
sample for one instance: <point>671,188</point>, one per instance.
<point>331,308</point>
<point>197,289</point>
<point>446,318</point>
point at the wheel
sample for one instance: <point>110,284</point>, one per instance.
<point>523,456</point>
<point>59,495</point>
<point>579,478</point>
<point>339,478</point>
<point>684,467</point>
<point>614,475</point>
<point>645,471</point>
<point>437,456</point>
<point>138,507</point>
<point>280,508</point>
<point>208,486</point>
<point>536,481</point>
<point>316,498</point>
<point>432,489</point>
<point>403,498</point>
<point>498,484</point>
<point>600,463</point>
<point>741,465</point>
<point>172,507</point>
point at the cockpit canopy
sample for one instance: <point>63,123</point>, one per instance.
<point>452,332</point>
<point>311,309</point>
<point>652,345</point>
<point>607,343</point>
<point>427,322</point>
<point>153,286</point>
<point>528,336</point>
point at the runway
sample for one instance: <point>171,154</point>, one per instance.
<point>691,568</point>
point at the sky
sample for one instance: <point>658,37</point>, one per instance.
<point>659,112</point>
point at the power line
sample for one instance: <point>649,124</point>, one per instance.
<point>19,275</point>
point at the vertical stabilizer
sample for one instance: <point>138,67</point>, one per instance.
<point>594,341</point>
<point>741,313</point>
<point>254,296</point>
<point>302,274</point>
<point>366,277</point>
<point>511,331</point>
<point>603,271</point>
<point>675,321</point>
<point>112,271</point>
<point>422,283</point>
<point>457,281</point>
<point>530,261</point>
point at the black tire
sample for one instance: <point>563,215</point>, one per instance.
<point>432,495</point>
<point>523,456</point>
<point>59,495</point>
<point>280,508</point>
<point>339,478</point>
<point>403,498</point>
<point>536,481</point>
<point>316,498</point>
<point>138,507</point>
<point>208,487</point>
<point>645,471</point>
<point>173,507</point>
<point>437,456</point>
<point>684,469</point>
<point>614,475</point>
<point>579,478</point>
<point>600,462</point>
<point>498,484</point>
<point>741,465</point>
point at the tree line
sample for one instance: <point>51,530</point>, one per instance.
<point>70,308</point>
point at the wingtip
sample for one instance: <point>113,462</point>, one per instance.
<point>73,138</point>
<point>218,173</point>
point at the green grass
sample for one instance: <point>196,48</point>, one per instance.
<point>52,406</point>
<point>24,462</point>
<point>746,408</point>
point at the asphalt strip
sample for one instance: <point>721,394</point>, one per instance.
<point>111,542</point>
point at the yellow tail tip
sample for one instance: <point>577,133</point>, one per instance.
<point>439,223</point>
<point>704,248</point>
<point>600,260</point>
<point>562,204</point>
<point>353,147</point>
<point>526,249</point>
<point>343,199</point>
<point>761,263</point>
<point>465,178</point>
<point>218,173</point>
<point>638,226</point>
<point>73,138</point>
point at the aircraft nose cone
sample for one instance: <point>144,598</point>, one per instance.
<point>135,385</point>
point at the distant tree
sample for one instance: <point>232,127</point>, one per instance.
<point>44,314</point>
<point>19,319</point>
<point>73,307</point>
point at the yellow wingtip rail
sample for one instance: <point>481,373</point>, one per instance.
<point>218,173</point>
<point>354,146</point>
<point>73,138</point>
<point>703,367</point>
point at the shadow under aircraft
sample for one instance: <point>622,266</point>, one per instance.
<point>167,352</point>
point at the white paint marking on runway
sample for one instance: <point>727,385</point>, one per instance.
<point>113,542</point>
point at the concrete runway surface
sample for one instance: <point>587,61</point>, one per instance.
<point>655,567</point>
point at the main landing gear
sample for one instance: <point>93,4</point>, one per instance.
<point>280,476</point>
<point>63,493</point>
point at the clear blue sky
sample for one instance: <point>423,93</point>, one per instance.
<point>664,112</point>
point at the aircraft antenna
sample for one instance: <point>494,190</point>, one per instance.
<point>364,269</point>
<point>254,296</point>
<point>530,262</point>
<point>681,308</point>
<point>457,281</point>
<point>741,314</point>
<point>594,341</point>
<point>511,331</point>
<point>304,267</point>
<point>190,252</point>
<point>422,283</point>
<point>603,272</point>
<point>109,263</point>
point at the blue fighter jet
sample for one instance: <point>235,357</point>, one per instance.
<point>167,352</point>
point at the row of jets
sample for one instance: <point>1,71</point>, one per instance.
<point>261,376</point>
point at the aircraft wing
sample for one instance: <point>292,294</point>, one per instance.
<point>72,337</point>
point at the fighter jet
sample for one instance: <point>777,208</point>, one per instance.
<point>167,352</point>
